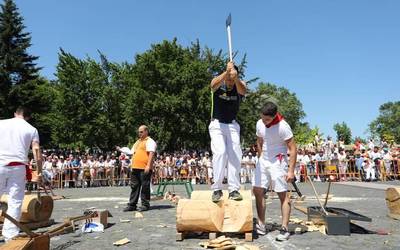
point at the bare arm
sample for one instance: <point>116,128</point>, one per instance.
<point>150,162</point>
<point>217,81</point>
<point>240,86</point>
<point>292,158</point>
<point>260,142</point>
<point>37,155</point>
<point>125,151</point>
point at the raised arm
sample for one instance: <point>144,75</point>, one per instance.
<point>240,86</point>
<point>217,81</point>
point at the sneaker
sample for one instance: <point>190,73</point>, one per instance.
<point>129,209</point>
<point>283,234</point>
<point>235,195</point>
<point>261,229</point>
<point>216,196</point>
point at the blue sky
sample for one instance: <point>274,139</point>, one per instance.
<point>341,58</point>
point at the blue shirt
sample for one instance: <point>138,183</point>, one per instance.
<point>76,163</point>
<point>359,162</point>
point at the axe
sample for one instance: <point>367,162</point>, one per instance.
<point>228,29</point>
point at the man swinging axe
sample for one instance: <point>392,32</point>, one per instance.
<point>227,93</point>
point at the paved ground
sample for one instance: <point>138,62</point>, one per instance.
<point>157,229</point>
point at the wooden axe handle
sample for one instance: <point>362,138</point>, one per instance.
<point>316,195</point>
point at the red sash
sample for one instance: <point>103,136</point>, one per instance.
<point>28,171</point>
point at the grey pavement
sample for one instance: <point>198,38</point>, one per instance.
<point>156,230</point>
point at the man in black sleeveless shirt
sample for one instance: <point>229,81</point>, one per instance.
<point>227,93</point>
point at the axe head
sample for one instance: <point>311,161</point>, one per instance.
<point>228,20</point>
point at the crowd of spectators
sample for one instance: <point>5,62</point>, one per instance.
<point>321,160</point>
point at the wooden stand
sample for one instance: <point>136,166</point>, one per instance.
<point>200,214</point>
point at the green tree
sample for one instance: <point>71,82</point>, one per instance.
<point>170,93</point>
<point>78,108</point>
<point>167,88</point>
<point>91,97</point>
<point>17,66</point>
<point>289,106</point>
<point>343,132</point>
<point>387,124</point>
<point>304,134</point>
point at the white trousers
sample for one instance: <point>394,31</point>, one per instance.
<point>225,146</point>
<point>12,182</point>
<point>370,173</point>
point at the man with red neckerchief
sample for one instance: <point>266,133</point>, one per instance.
<point>274,142</point>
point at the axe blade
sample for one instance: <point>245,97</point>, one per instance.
<point>228,20</point>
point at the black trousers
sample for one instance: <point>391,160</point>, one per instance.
<point>140,185</point>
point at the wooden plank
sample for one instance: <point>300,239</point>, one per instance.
<point>212,236</point>
<point>17,244</point>
<point>248,236</point>
<point>179,236</point>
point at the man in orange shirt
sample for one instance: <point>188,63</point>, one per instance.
<point>142,152</point>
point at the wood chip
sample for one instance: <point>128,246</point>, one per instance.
<point>121,242</point>
<point>138,215</point>
<point>296,220</point>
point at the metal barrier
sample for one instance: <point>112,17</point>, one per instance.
<point>319,170</point>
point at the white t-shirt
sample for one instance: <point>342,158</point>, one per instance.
<point>48,165</point>
<point>387,157</point>
<point>374,155</point>
<point>274,137</point>
<point>305,159</point>
<point>16,136</point>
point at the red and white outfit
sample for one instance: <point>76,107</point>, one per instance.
<point>272,166</point>
<point>16,136</point>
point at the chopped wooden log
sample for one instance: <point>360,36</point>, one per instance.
<point>393,202</point>
<point>33,209</point>
<point>200,214</point>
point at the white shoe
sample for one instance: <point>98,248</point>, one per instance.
<point>261,229</point>
<point>283,235</point>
